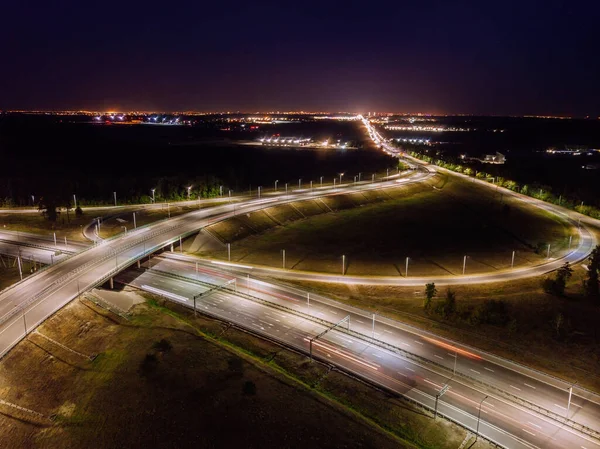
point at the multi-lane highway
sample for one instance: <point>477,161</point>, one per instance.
<point>406,360</point>
<point>32,300</point>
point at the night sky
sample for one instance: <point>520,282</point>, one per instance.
<point>480,57</point>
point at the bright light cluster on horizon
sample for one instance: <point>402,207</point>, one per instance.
<point>434,129</point>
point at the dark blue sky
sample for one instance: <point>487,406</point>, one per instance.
<point>487,57</point>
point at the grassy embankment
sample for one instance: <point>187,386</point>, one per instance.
<point>435,223</point>
<point>207,385</point>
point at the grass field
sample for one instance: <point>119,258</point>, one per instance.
<point>209,385</point>
<point>70,227</point>
<point>434,227</point>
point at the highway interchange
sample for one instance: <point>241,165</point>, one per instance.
<point>408,361</point>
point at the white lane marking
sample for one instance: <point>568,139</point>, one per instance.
<point>451,355</point>
<point>560,406</point>
<point>515,387</point>
<point>376,355</point>
<point>530,433</point>
<point>418,342</point>
<point>477,372</point>
<point>530,386</point>
<point>490,370</point>
<point>402,343</point>
<point>410,369</point>
<point>535,425</point>
<point>576,405</point>
<point>335,313</point>
<point>435,355</point>
<point>389,332</point>
<point>359,321</point>
<point>402,374</point>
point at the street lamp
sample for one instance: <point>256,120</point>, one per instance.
<point>479,417</point>
<point>300,183</point>
<point>276,181</point>
<point>341,176</point>
<point>464,264</point>
<point>570,394</point>
<point>321,181</point>
<point>115,196</point>
<point>153,198</point>
<point>189,191</point>
<point>373,327</point>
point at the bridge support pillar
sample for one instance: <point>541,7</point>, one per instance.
<point>138,264</point>
<point>112,285</point>
<point>171,247</point>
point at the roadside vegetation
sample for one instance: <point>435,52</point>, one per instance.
<point>541,192</point>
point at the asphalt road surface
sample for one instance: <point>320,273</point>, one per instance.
<point>282,317</point>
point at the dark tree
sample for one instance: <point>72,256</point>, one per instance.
<point>591,284</point>
<point>557,285</point>
<point>430,292</point>
<point>47,206</point>
<point>449,306</point>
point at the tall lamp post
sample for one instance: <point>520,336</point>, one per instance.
<point>479,417</point>
<point>153,198</point>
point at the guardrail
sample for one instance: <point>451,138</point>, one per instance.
<point>328,361</point>
<point>35,245</point>
<point>406,354</point>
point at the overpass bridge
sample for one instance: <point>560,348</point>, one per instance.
<point>28,303</point>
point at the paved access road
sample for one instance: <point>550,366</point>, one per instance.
<point>285,315</point>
